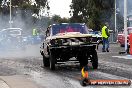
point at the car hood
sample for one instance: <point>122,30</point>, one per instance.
<point>70,35</point>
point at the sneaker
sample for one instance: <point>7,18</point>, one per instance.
<point>107,50</point>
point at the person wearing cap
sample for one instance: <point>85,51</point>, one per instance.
<point>34,32</point>
<point>105,37</point>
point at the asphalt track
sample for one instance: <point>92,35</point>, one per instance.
<point>112,65</point>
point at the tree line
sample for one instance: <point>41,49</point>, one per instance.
<point>92,12</point>
<point>95,13</point>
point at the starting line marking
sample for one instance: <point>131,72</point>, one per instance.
<point>124,57</point>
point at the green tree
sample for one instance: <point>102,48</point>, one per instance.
<point>24,9</point>
<point>92,12</point>
<point>26,4</point>
<point>58,19</point>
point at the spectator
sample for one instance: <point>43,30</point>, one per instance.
<point>105,37</point>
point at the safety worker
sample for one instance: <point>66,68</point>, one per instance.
<point>105,37</point>
<point>35,32</point>
<point>35,35</point>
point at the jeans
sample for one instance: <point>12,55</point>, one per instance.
<point>105,43</point>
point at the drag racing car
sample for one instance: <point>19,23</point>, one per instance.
<point>66,40</point>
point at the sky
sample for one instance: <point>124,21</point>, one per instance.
<point>60,7</point>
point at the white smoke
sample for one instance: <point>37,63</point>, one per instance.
<point>27,24</point>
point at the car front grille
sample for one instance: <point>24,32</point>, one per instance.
<point>74,41</point>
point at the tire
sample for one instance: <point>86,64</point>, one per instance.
<point>94,59</point>
<point>46,61</point>
<point>52,61</point>
<point>83,60</point>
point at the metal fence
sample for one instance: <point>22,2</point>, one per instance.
<point>113,37</point>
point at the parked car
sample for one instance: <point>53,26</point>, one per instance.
<point>11,38</point>
<point>66,40</point>
<point>33,39</point>
<point>121,37</point>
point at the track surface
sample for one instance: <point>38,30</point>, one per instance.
<point>29,63</point>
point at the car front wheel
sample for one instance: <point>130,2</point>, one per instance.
<point>52,61</point>
<point>46,61</point>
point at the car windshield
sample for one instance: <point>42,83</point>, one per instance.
<point>63,28</point>
<point>14,32</point>
<point>10,32</point>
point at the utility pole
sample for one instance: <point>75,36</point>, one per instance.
<point>125,23</point>
<point>10,21</point>
<point>115,17</point>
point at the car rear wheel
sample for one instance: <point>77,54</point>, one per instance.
<point>94,59</point>
<point>83,60</point>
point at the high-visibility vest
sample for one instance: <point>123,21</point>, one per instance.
<point>104,32</point>
<point>34,32</point>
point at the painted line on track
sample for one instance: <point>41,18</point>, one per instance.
<point>128,57</point>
